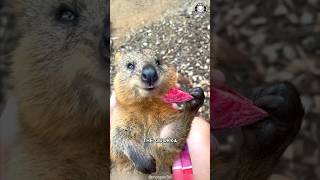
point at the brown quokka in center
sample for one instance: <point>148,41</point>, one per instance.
<point>141,81</point>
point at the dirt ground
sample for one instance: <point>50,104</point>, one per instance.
<point>127,16</point>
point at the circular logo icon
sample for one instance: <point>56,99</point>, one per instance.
<point>200,8</point>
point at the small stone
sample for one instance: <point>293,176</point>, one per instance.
<point>307,102</point>
<point>310,43</point>
<point>280,10</point>
<point>299,81</point>
<point>235,12</point>
<point>301,52</point>
<point>258,39</point>
<point>289,52</point>
<point>293,18</point>
<point>247,12</point>
<point>306,18</point>
<point>259,21</point>
<point>271,53</point>
<point>289,153</point>
<point>194,78</point>
<point>247,32</point>
<point>231,139</point>
<point>250,9</point>
<point>271,74</point>
<point>289,3</point>
<point>285,76</point>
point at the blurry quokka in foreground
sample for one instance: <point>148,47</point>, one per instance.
<point>140,83</point>
<point>60,78</point>
<point>263,142</point>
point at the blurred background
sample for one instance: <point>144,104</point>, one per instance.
<point>276,40</point>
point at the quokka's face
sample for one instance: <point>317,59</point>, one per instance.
<point>62,53</point>
<point>144,74</point>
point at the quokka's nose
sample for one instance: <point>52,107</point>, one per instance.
<point>149,75</point>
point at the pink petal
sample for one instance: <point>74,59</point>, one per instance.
<point>230,109</point>
<point>175,95</point>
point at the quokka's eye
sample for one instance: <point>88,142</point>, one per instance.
<point>158,62</point>
<point>131,66</point>
<point>65,14</point>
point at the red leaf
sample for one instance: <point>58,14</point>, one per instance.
<point>230,109</point>
<point>175,95</point>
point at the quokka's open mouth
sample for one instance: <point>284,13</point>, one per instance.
<point>150,88</point>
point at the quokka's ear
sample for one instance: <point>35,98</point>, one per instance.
<point>117,57</point>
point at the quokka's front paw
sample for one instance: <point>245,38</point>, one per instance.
<point>277,131</point>
<point>144,163</point>
<point>197,101</point>
<point>282,100</point>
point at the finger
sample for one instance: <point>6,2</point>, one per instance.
<point>199,148</point>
